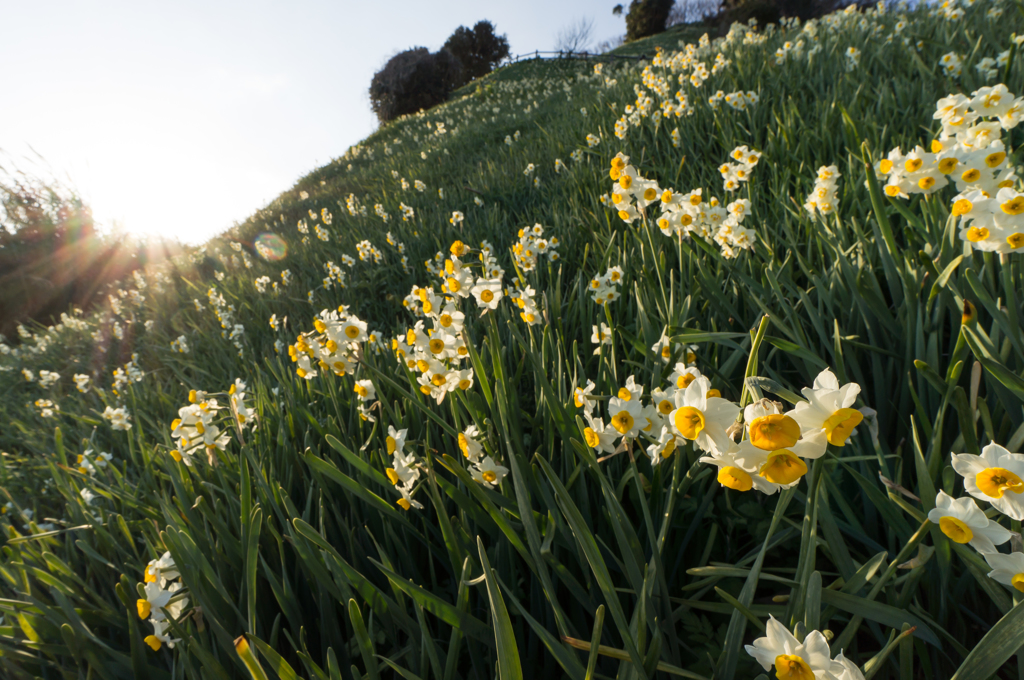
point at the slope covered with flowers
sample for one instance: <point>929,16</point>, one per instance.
<point>714,352</point>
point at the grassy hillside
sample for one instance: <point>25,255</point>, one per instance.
<point>358,436</point>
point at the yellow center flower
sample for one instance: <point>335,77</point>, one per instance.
<point>775,431</point>
<point>352,332</point>
<point>453,285</point>
<point>885,166</point>
<point>665,407</point>
<point>971,175</point>
<point>735,478</point>
<point>957,531</point>
<point>840,424</point>
<point>792,667</point>
<point>592,439</point>
<point>622,421</point>
<point>1015,206</point>
<point>994,159</point>
<point>404,504</point>
<point>436,346</point>
<point>143,608</point>
<point>689,421</point>
<point>1015,240</point>
<point>683,381</point>
<point>913,164</point>
<point>948,165</point>
<point>975,234</point>
<point>625,181</point>
<point>624,394</point>
<point>995,481</point>
<point>360,390</point>
<point>1018,582</point>
<point>962,207</point>
<point>783,467</point>
<point>391,444</point>
<point>153,642</point>
<point>393,476</point>
<point>487,295</point>
<point>489,476</point>
<point>926,183</point>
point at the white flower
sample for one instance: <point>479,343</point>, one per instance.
<point>794,660</point>
<point>703,419</point>
<point>828,408</point>
<point>395,440</point>
<point>964,522</point>
<point>850,670</point>
<point>996,476</point>
<point>488,472</point>
<point>1007,569</point>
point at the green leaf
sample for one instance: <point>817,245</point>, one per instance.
<point>877,611</point>
<point>1000,643</point>
<point>504,637</point>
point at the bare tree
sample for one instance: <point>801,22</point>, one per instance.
<point>576,36</point>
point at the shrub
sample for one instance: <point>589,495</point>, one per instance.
<point>413,80</point>
<point>478,50</point>
<point>52,257</point>
<point>647,17</point>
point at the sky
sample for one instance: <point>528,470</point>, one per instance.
<point>180,118</point>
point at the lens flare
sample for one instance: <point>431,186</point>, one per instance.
<point>271,247</point>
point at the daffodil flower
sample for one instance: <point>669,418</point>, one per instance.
<point>828,408</point>
<point>794,660</point>
<point>996,476</point>
<point>488,472</point>
<point>963,522</point>
<point>703,419</point>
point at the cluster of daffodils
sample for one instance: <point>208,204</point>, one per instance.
<point>605,288</point>
<point>800,660</point>
<point>404,471</point>
<point>47,408</point>
<point>368,251</point>
<point>532,246</point>
<point>970,154</point>
<point>773,444</point>
<point>824,198</point>
<point>335,276</point>
<point>161,597</point>
<point>997,478</point>
<point>197,427</point>
<point>128,374</point>
<point>180,345</point>
<point>484,469</point>
<point>735,174</point>
<point>334,347</point>
<point>524,299</point>
<point>118,417</point>
<point>354,207</point>
<point>776,443</point>
<point>952,64</point>
<point>437,353</point>
<point>685,214</point>
<point>89,461</point>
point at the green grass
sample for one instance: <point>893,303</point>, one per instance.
<point>294,538</point>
